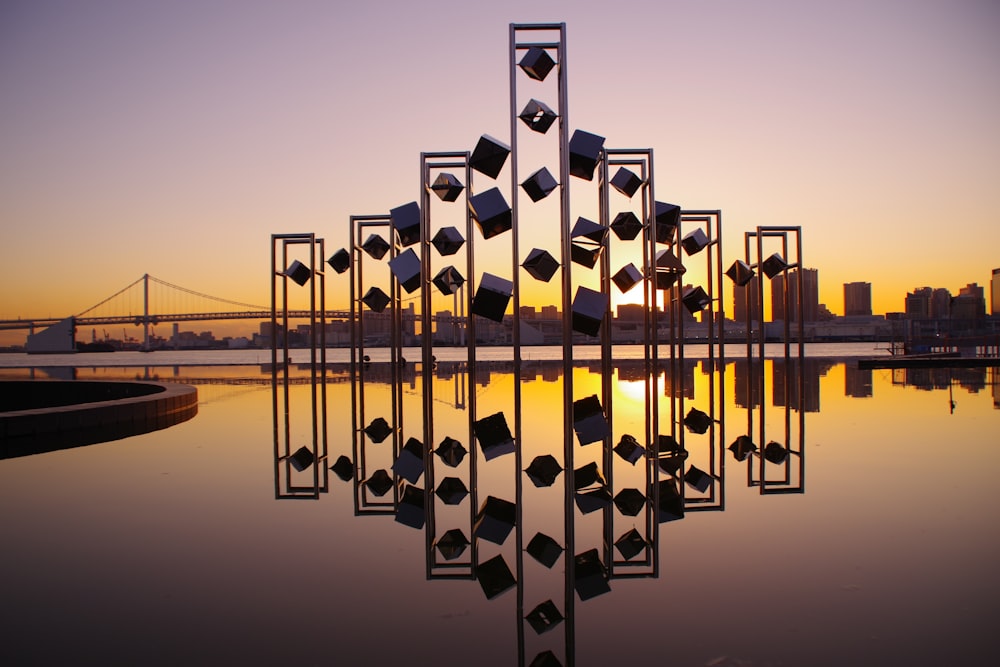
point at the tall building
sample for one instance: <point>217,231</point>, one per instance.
<point>810,296</point>
<point>741,295</point>
<point>970,304</point>
<point>940,304</point>
<point>918,304</point>
<point>857,299</point>
<point>995,292</point>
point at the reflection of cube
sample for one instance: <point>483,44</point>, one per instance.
<point>537,63</point>
<point>541,265</point>
<point>538,116</point>
<point>589,308</point>
<point>589,422</point>
<point>448,241</point>
<point>406,268</point>
<point>544,549</point>
<point>629,449</point>
<point>740,273</point>
<point>667,444</point>
<point>410,511</point>
<point>406,221</point>
<point>491,212</point>
<point>694,241</point>
<point>626,225</point>
<point>539,184</point>
<point>545,659</point>
<point>697,421</point>
<point>585,255</point>
<point>495,520</point>
<point>668,217</point>
<point>492,297</point>
<point>494,436</point>
<point>630,502</point>
<point>591,576</point>
<point>543,470</point>
<point>672,463</point>
<point>298,272</point>
<point>451,491</point>
<point>668,269</point>
<point>630,544</point>
<point>696,300</point>
<point>447,187</point>
<point>698,478</point>
<point>343,468</point>
<point>584,154</point>
<point>378,430</point>
<point>589,229</point>
<point>771,266</point>
<point>671,505</point>
<point>452,544</point>
<point>451,452</point>
<point>628,277</point>
<point>587,476</point>
<point>489,156</point>
<point>379,483</point>
<point>495,577</point>
<point>742,447</point>
<point>775,453</point>
<point>626,182</point>
<point>591,501</point>
<point>340,261</point>
<point>544,617</point>
<point>375,299</point>
<point>410,463</point>
<point>301,459</point>
<point>448,280</point>
<point>375,246</point>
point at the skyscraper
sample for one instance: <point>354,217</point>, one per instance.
<point>810,295</point>
<point>745,298</point>
<point>995,292</point>
<point>857,299</point>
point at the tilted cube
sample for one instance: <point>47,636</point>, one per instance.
<point>544,549</point>
<point>451,491</point>
<point>452,544</point>
<point>489,156</point>
<point>584,154</point>
<point>626,182</point>
<point>540,265</point>
<point>591,575</point>
<point>589,422</point>
<point>740,273</point>
<point>340,261</point>
<point>538,116</point>
<point>539,185</point>
<point>588,229</point>
<point>631,544</point>
<point>696,300</point>
<point>298,272</point>
<point>451,452</point>
<point>589,308</point>
<point>447,187</point>
<point>495,520</point>
<point>410,463</point>
<point>694,241</point>
<point>668,268</point>
<point>491,212</point>
<point>492,297</point>
<point>543,470</point>
<point>628,277</point>
<point>585,255</point>
<point>629,449</point>
<point>410,511</point>
<point>495,577</point>
<point>375,299</point>
<point>379,483</point>
<point>448,280</point>
<point>405,220</point>
<point>668,218</point>
<point>301,459</point>
<point>626,225</point>
<point>406,268</point>
<point>494,436</point>
<point>448,241</point>
<point>537,63</point>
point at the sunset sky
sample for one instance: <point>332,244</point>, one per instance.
<point>172,138</point>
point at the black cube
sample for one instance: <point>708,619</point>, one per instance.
<point>489,156</point>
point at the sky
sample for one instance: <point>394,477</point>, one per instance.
<point>174,138</point>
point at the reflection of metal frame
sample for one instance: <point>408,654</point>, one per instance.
<point>287,483</point>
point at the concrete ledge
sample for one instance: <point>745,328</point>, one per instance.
<point>50,415</point>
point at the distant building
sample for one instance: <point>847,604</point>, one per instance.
<point>940,304</point>
<point>918,304</point>
<point>549,313</point>
<point>970,304</point>
<point>857,299</point>
<point>995,293</point>
<point>810,296</point>
<point>744,299</point>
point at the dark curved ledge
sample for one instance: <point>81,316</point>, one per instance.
<point>66,414</point>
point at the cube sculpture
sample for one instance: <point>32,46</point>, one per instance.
<point>544,549</point>
<point>630,501</point>
<point>697,421</point>
<point>491,212</point>
<point>448,280</point>
<point>740,273</point>
<point>629,449</point>
<point>668,219</point>
<point>631,544</point>
<point>539,185</point>
<point>378,430</point>
<point>451,452</point>
<point>298,272</point>
<point>628,277</point>
<point>589,422</point>
<point>585,255</point>
<point>375,246</point>
<point>343,468</point>
<point>626,182</point>
<point>375,299</point>
<point>742,448</point>
<point>584,154</point>
<point>545,659</point>
<point>668,269</point>
<point>537,63</point>
<point>671,505</point>
<point>593,500</point>
<point>448,241</point>
<point>771,266</point>
<point>588,476</point>
<point>301,459</point>
<point>694,241</point>
<point>494,436</point>
<point>451,491</point>
<point>410,463</point>
<point>696,300</point>
<point>540,265</point>
<point>626,225</point>
<point>492,297</point>
<point>544,617</point>
<point>698,479</point>
<point>588,229</point>
<point>592,236</point>
<point>775,453</point>
<point>489,156</point>
<point>410,511</point>
<point>495,577</point>
<point>495,520</point>
<point>379,483</point>
<point>406,268</point>
<point>538,116</point>
<point>543,470</point>
<point>340,261</point>
<point>452,544</point>
<point>405,220</point>
<point>589,308</point>
<point>591,575</point>
<point>447,187</point>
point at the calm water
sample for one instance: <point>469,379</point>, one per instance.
<point>171,547</point>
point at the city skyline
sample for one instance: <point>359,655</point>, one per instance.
<point>861,122</point>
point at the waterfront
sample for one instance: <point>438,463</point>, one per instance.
<point>170,547</point>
